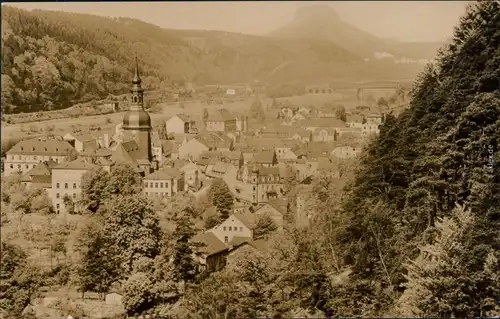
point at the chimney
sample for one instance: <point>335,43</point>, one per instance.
<point>106,140</point>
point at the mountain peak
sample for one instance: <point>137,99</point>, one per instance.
<point>316,12</point>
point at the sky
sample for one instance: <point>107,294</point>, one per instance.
<point>403,20</point>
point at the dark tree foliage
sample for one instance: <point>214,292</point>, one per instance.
<point>221,197</point>
<point>435,154</point>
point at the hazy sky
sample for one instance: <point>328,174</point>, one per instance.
<point>405,20</point>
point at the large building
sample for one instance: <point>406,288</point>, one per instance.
<point>27,154</point>
<point>138,123</point>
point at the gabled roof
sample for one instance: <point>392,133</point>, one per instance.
<point>238,241</point>
<point>212,245</point>
<point>265,157</point>
<point>246,218</point>
<point>165,173</point>
<point>120,155</point>
<point>78,164</point>
<point>232,155</point>
<point>38,146</point>
<point>221,167</point>
<point>280,205</point>
<point>324,122</point>
<point>41,169</point>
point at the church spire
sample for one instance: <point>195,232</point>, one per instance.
<point>137,78</point>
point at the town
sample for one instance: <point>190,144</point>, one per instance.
<point>156,169</point>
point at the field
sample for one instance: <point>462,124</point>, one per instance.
<point>61,126</point>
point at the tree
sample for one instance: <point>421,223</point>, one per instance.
<point>221,197</point>
<point>68,204</point>
<point>205,114</point>
<point>185,268</point>
<point>211,221</point>
<point>19,280</point>
<point>98,267</point>
<point>98,185</point>
<point>438,277</point>
<point>133,229</point>
<point>340,113</point>
<point>264,226</point>
<point>257,111</point>
<point>381,102</point>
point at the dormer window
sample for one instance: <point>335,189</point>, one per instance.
<point>22,148</point>
<point>57,150</point>
<point>33,149</point>
<point>45,149</point>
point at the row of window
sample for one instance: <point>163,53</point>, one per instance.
<point>35,157</point>
<point>157,194</point>
<point>232,228</point>
<point>155,185</point>
<point>67,186</point>
<point>59,195</point>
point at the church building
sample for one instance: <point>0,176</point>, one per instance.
<point>137,124</point>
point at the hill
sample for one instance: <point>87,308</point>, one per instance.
<point>52,60</point>
<point>321,22</point>
<point>419,224</point>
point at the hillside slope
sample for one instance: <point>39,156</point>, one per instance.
<point>51,60</point>
<point>441,152</point>
<point>321,22</point>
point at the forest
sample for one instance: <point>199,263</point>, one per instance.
<point>53,60</point>
<point>410,230</point>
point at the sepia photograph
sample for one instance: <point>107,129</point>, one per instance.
<point>250,159</point>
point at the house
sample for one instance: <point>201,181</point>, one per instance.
<point>238,224</point>
<point>170,150</point>
<point>192,149</point>
<point>165,182</point>
<point>241,247</point>
<point>220,170</point>
<point>324,134</point>
<point>345,152</point>
<point>343,133</point>
<point>81,142</point>
<point>156,146</point>
<point>302,135</point>
<point>193,175</point>
<point>242,123</point>
<point>370,129</point>
<point>220,121</point>
<point>375,118</point>
<point>27,154</point>
<point>275,209</point>
<point>256,184</point>
<point>313,124</point>
<point>355,121</point>
<point>180,124</point>
<point>327,111</point>
<point>66,182</point>
<point>265,158</point>
<point>233,157</point>
<point>211,253</point>
<point>39,176</point>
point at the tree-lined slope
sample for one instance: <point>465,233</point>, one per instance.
<point>51,60</point>
<point>440,152</point>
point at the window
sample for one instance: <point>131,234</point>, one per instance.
<point>156,185</point>
<point>19,166</point>
<point>57,206</point>
<point>57,150</point>
<point>74,195</point>
<point>161,185</point>
<point>11,165</point>
<point>226,239</point>
<point>65,185</point>
<point>146,193</point>
<point>230,228</point>
<point>58,211</point>
<point>146,185</point>
<point>45,149</point>
<point>166,185</point>
<point>33,149</point>
<point>241,228</point>
<point>57,195</point>
<point>27,166</point>
<point>224,228</point>
<point>57,185</point>
<point>74,185</point>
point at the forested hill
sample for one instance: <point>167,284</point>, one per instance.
<point>401,223</point>
<point>51,60</point>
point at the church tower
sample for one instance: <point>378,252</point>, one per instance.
<point>138,122</point>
